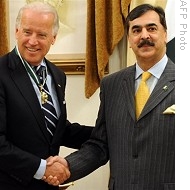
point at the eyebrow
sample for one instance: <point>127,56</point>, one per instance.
<point>147,25</point>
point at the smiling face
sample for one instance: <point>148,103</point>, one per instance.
<point>35,35</point>
<point>147,37</point>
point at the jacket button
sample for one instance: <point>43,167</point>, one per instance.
<point>135,156</point>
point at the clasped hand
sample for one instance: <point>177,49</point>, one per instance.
<point>57,171</point>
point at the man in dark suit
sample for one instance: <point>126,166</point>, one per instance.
<point>141,148</point>
<point>25,140</point>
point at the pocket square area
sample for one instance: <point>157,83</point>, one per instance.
<point>170,110</point>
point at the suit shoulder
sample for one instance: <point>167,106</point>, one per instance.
<point>5,61</point>
<point>55,68</point>
<point>4,58</point>
<point>120,74</point>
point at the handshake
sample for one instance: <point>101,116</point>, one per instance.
<point>57,171</point>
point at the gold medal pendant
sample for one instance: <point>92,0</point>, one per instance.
<point>44,95</point>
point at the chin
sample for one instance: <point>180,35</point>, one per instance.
<point>147,53</point>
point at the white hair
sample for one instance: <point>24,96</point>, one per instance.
<point>41,7</point>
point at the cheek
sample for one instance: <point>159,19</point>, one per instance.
<point>130,42</point>
<point>133,42</point>
<point>160,42</point>
<point>165,39</point>
<point>19,36</point>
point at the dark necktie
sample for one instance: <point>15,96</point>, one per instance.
<point>47,106</point>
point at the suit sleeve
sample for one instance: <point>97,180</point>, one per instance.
<point>14,161</point>
<point>94,152</point>
<point>76,134</point>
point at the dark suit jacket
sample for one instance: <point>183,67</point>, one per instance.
<point>23,136</point>
<point>141,152</point>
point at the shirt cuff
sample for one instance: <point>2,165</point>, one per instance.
<point>41,170</point>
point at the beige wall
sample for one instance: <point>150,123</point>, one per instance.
<point>83,110</point>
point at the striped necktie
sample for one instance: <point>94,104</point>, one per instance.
<point>48,107</point>
<point>142,93</point>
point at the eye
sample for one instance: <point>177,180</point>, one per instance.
<point>152,29</point>
<point>136,30</point>
<point>26,32</point>
<point>42,36</point>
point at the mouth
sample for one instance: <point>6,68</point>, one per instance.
<point>32,49</point>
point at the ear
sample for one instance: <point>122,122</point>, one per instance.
<point>53,40</point>
<point>128,41</point>
<point>166,38</point>
<point>16,33</point>
<point>129,44</point>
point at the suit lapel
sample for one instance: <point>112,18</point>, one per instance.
<point>24,85</point>
<point>164,86</point>
<point>129,90</point>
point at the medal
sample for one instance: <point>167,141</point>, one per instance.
<point>39,79</point>
<point>44,95</point>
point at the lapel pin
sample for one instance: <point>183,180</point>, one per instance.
<point>165,88</point>
<point>59,85</point>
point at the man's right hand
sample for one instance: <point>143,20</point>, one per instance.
<point>57,171</point>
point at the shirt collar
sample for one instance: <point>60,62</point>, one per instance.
<point>156,70</point>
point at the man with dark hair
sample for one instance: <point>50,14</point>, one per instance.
<point>135,128</point>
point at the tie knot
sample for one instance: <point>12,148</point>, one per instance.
<point>145,76</point>
<point>41,72</point>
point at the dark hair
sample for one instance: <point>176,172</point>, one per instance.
<point>142,9</point>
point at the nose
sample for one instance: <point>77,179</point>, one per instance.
<point>33,40</point>
<point>145,34</point>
